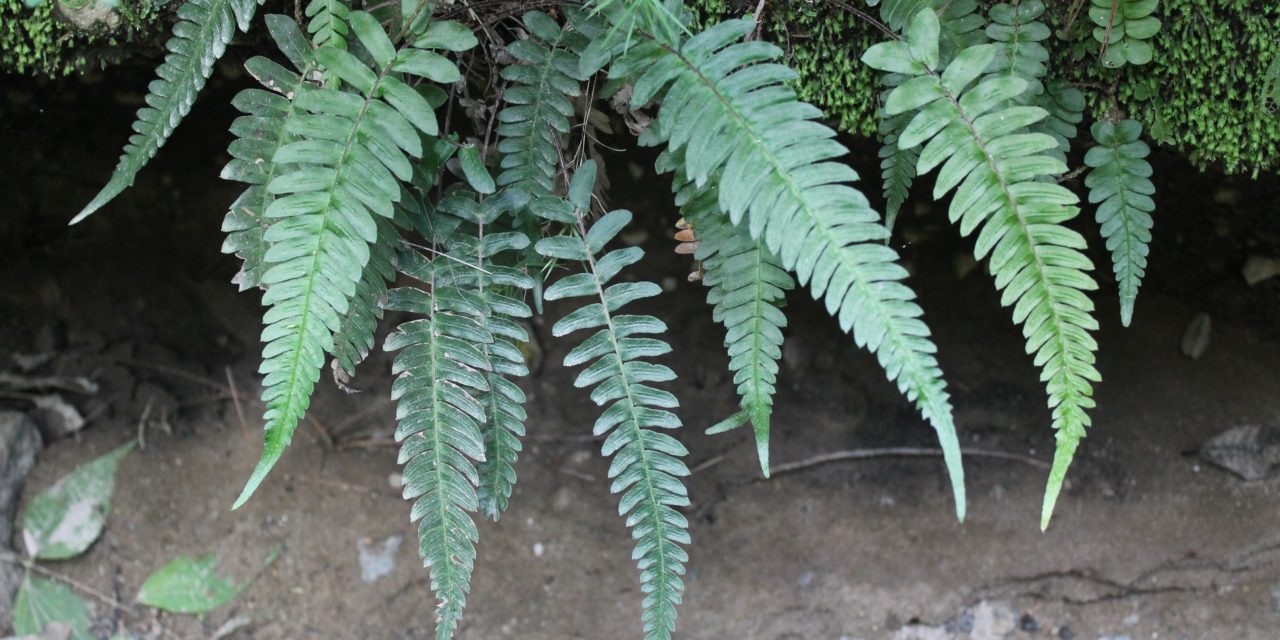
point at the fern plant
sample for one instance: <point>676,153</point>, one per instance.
<point>354,184</point>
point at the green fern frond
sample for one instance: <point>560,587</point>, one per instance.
<point>1017,32</point>
<point>536,119</point>
<point>260,133</point>
<point>492,276</point>
<point>354,339</point>
<point>327,22</point>
<point>747,290</point>
<point>646,467</point>
<point>200,37</point>
<point>1124,28</point>
<point>1065,105</point>
<point>440,370</point>
<point>726,104</point>
<point>1120,184</point>
<point>348,166</point>
<point>995,166</point>
<point>897,166</point>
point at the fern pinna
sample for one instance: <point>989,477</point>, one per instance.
<point>646,466</point>
<point>995,165</point>
<point>726,109</point>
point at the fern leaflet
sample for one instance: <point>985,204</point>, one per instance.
<point>1120,184</point>
<point>726,105</point>
<point>995,167</point>
<point>327,22</point>
<point>897,166</point>
<point>646,466</point>
<point>200,37</point>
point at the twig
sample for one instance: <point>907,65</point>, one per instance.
<point>367,443</point>
<point>235,399</point>
<point>707,464</point>
<point>901,452</point>
<point>142,424</point>
<point>17,560</point>
<point>322,430</point>
<point>337,484</point>
<point>196,378</point>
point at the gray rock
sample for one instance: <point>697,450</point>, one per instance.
<point>1249,451</point>
<point>19,444</point>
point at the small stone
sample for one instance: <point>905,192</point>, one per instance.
<point>396,480</point>
<point>377,560</point>
<point>1275,597</point>
<point>1065,633</point>
<point>538,549</point>
<point>563,499</point>
<point>993,620</point>
<point>1028,623</point>
<point>579,458</point>
<point>1258,269</point>
<point>57,417</point>
<point>805,580</point>
<point>1195,340</point>
<point>1249,451</point>
<point>1131,619</point>
<point>669,284</point>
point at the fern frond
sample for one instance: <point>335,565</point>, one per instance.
<point>1065,105</point>
<point>726,104</point>
<point>327,22</point>
<point>533,124</point>
<point>995,168</point>
<point>1124,29</point>
<point>354,339</point>
<point>260,133</point>
<point>747,290</point>
<point>492,275</point>
<point>897,166</point>
<point>1120,185</point>
<point>347,167</point>
<point>646,467</point>
<point>1017,32</point>
<point>440,370</point>
<point>200,37</point>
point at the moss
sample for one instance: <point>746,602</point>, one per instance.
<point>1205,94</point>
<point>47,41</point>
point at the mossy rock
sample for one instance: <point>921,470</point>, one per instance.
<point>61,37</point>
<point>1211,91</point>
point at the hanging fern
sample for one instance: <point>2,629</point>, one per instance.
<point>897,166</point>
<point>1120,184</point>
<point>646,466</point>
<point>747,290</point>
<point>348,166</point>
<point>489,271</point>
<point>995,166</point>
<point>260,133</point>
<point>1065,106</point>
<point>725,104</point>
<point>200,37</point>
<point>1017,32</point>
<point>440,370</point>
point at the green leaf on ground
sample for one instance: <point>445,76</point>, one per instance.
<point>63,520</point>
<point>188,585</point>
<point>41,602</point>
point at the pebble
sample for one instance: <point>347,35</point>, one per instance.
<point>377,559</point>
<point>538,549</point>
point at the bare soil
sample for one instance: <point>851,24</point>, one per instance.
<point>1148,541</point>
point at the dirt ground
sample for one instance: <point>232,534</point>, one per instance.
<point>1148,540</point>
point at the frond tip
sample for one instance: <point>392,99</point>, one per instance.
<point>200,37</point>
<point>646,467</point>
